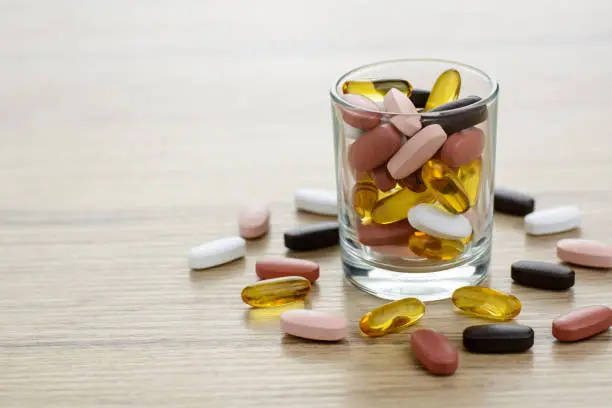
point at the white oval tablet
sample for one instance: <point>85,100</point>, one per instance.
<point>217,252</point>
<point>438,223</point>
<point>553,220</point>
<point>316,201</point>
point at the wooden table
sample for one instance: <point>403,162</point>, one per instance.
<point>132,131</point>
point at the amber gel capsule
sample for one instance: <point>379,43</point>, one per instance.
<point>486,303</point>
<point>376,90</point>
<point>469,176</point>
<point>430,247</point>
<point>446,89</point>
<point>392,317</point>
<point>276,292</point>
<point>395,207</point>
<point>444,184</point>
<point>365,195</point>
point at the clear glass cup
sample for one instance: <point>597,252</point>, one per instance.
<point>413,264</point>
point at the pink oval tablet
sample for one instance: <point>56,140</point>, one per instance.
<point>314,325</point>
<point>585,252</point>
<point>582,323</point>
<point>254,221</point>
<point>435,352</point>
<point>399,250</point>
<point>276,267</point>
<point>382,178</point>
<point>357,118</point>
<point>397,102</point>
<point>463,147</point>
<point>374,147</point>
<point>416,151</point>
<point>388,234</point>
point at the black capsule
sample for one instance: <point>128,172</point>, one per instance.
<point>542,275</point>
<point>453,122</point>
<point>314,236</point>
<point>498,338</point>
<point>512,202</point>
<point>419,97</point>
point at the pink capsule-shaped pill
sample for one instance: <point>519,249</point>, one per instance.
<point>463,147</point>
<point>361,119</point>
<point>374,147</point>
<point>272,267</point>
<point>408,122</point>
<point>582,323</point>
<point>585,252</point>
<point>254,221</point>
<point>388,234</point>
<point>435,352</point>
<point>314,325</point>
<point>416,151</point>
<point>400,250</point>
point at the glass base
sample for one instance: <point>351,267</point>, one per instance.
<point>378,279</point>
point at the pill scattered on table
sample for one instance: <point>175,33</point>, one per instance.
<point>392,317</point>
<point>486,303</point>
<point>434,351</point>
<point>314,325</point>
<point>498,338</point>
<point>254,221</point>
<point>553,220</point>
<point>512,202</point>
<point>271,267</point>
<point>216,253</point>
<point>316,201</point>
<point>582,323</point>
<point>542,275</point>
<point>585,252</point>
<point>313,236</point>
<point>276,292</point>
<point>438,223</point>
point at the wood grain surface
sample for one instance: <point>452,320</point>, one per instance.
<point>131,131</point>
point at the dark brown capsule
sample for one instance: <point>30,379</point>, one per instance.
<point>453,119</point>
<point>512,202</point>
<point>314,236</point>
<point>542,275</point>
<point>419,97</point>
<point>498,338</point>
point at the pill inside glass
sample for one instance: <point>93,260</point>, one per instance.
<point>415,134</point>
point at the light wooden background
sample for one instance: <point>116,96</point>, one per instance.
<point>131,131</point>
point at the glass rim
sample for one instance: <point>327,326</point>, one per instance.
<point>494,87</point>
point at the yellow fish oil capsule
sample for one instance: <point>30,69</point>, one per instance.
<point>392,317</point>
<point>376,90</point>
<point>395,207</point>
<point>276,292</point>
<point>442,182</point>
<point>430,247</point>
<point>365,195</point>
<point>469,176</point>
<point>446,89</point>
<point>486,303</point>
